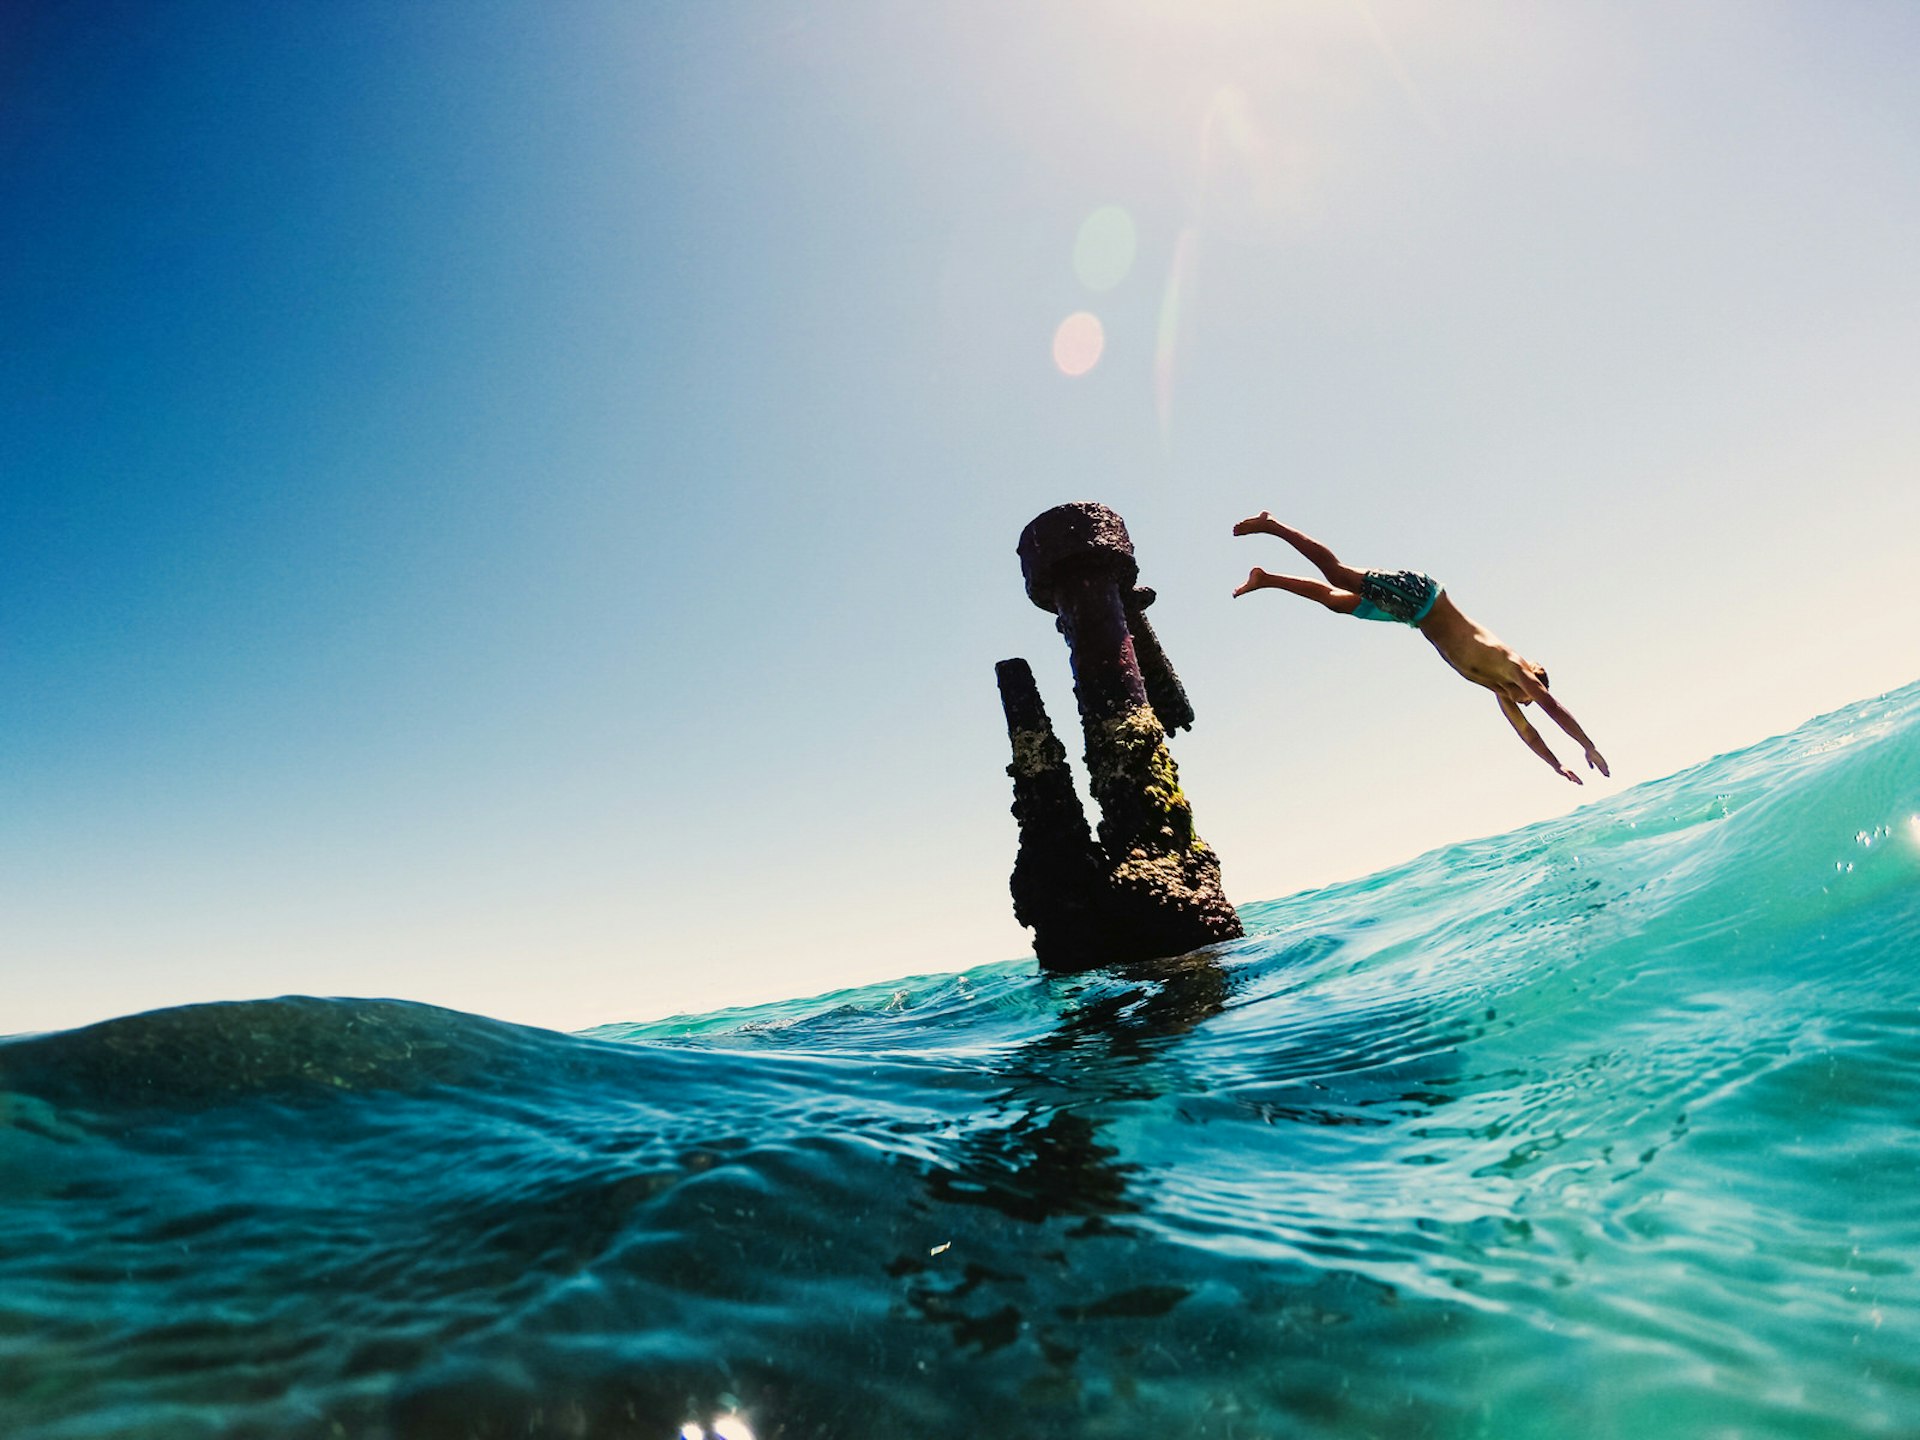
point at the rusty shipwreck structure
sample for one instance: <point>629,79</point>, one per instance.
<point>1146,886</point>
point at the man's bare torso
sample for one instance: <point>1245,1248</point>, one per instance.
<point>1476,652</point>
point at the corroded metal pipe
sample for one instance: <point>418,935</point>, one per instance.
<point>1059,877</point>
<point>1164,691</point>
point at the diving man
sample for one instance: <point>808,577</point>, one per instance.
<point>1410,598</point>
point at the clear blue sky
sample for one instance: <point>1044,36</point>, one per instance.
<point>513,505</point>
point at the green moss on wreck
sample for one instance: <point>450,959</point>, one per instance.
<point>1137,783</point>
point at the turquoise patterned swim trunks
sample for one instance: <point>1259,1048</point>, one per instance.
<point>1404,596</point>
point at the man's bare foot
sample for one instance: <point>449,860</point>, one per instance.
<point>1256,580</point>
<point>1261,524</point>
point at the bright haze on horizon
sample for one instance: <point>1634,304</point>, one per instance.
<point>512,506</point>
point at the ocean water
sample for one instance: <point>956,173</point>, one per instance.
<point>1606,1127</point>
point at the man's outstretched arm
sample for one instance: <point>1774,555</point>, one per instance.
<point>1532,739</point>
<point>1564,719</point>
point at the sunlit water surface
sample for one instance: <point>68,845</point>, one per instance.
<point>1607,1127</point>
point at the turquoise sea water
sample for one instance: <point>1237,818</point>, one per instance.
<point>1606,1127</point>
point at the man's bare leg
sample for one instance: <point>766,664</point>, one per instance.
<point>1341,601</point>
<point>1342,577</point>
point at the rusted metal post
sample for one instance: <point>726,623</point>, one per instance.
<point>1161,893</point>
<point>1164,691</point>
<point>1059,877</point>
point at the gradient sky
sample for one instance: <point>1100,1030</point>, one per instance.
<point>513,506</point>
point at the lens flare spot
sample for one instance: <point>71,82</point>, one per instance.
<point>1078,342</point>
<point>1103,251</point>
<point>731,1427</point>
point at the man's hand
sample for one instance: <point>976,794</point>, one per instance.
<point>1597,761</point>
<point>1563,770</point>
